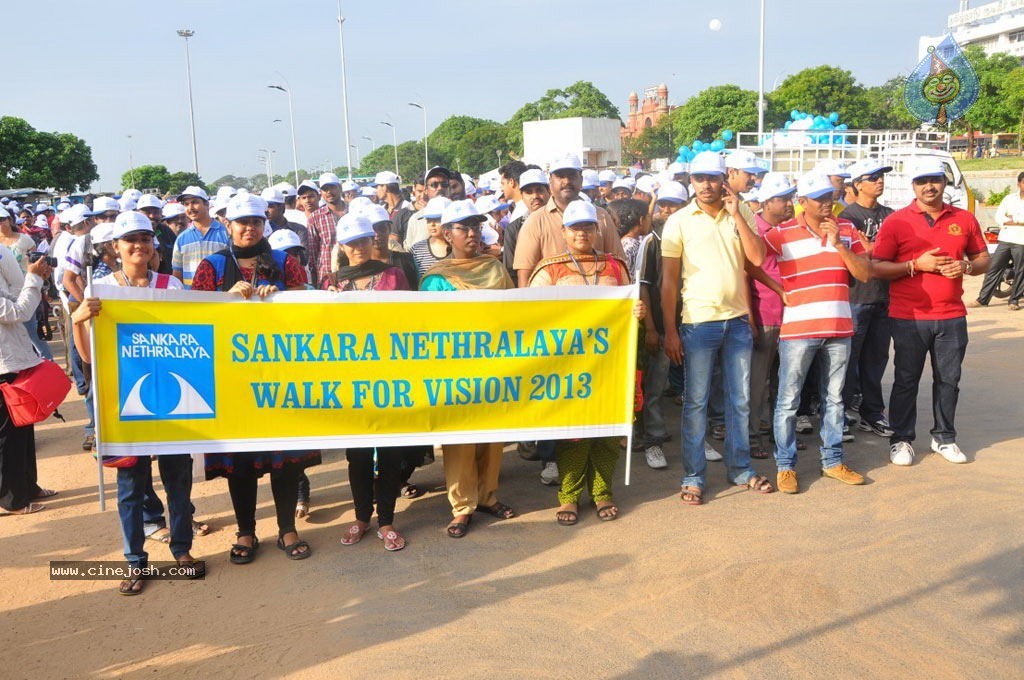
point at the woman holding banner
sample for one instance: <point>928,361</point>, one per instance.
<point>134,245</point>
<point>584,462</point>
<point>470,470</point>
<point>363,273</point>
<point>246,267</point>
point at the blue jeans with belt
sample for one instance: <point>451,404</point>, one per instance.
<point>729,343</point>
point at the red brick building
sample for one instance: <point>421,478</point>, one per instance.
<point>646,114</point>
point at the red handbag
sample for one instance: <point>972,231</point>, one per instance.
<point>36,393</point>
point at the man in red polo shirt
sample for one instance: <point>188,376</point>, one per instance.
<point>925,250</point>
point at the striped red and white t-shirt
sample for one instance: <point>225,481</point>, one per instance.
<point>815,279</point>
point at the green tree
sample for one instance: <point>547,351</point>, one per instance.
<point>445,137</point>
<point>581,99</point>
<point>180,180</point>
<point>706,114</point>
<point>479,150</point>
<point>819,91</point>
<point>381,158</point>
<point>147,177</point>
<point>886,110</point>
<point>29,157</point>
<point>995,109</point>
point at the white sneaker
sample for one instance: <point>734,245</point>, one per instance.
<point>655,457</point>
<point>549,475</point>
<point>950,452</point>
<point>710,453</point>
<point>803,425</point>
<point>901,453</point>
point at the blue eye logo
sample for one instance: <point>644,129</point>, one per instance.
<point>166,371</point>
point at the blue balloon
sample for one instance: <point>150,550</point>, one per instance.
<point>717,145</point>
<point>795,114</point>
<point>727,135</point>
<point>682,149</point>
<point>833,117</point>
<point>698,145</point>
<point>842,126</point>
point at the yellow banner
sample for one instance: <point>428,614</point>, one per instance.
<point>188,372</point>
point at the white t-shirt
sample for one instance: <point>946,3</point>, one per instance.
<point>1011,209</point>
<point>59,250</point>
<point>165,281</point>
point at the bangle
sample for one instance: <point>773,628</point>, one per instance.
<point>911,268</point>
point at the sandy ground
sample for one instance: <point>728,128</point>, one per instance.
<point>917,574</point>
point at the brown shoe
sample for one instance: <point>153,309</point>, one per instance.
<point>973,304</point>
<point>786,481</point>
<point>843,474</point>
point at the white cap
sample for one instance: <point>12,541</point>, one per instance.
<point>606,176</point>
<point>272,195</point>
<point>246,205</point>
<point>386,177</point>
<point>567,162</point>
<point>591,179</point>
<point>354,226</point>
<point>677,168</point>
<point>646,184</point>
<point>102,204</point>
<point>307,184</point>
<point>77,214</point>
<point>126,203</point>
<point>63,205</point>
<point>283,239</point>
<point>672,191</point>
<point>347,186</point>
<point>621,183</point>
<point>533,176</point>
<point>131,221</point>
<point>286,189</point>
<point>41,222</point>
<point>813,185</point>
<point>831,168</point>
<point>741,160</point>
<point>707,163</point>
<point>172,210</point>
<point>925,166</point>
<point>867,166</point>
<point>367,191</point>
<point>435,208</point>
<point>134,194</point>
<point>486,204</point>
<point>198,192</point>
<point>630,182</point>
<point>577,212</point>
<point>458,211</point>
<point>470,187</point>
<point>225,193</point>
<point>103,233</point>
<point>328,178</point>
<point>219,205</point>
<point>149,201</point>
<point>359,204</point>
<point>775,185</point>
<point>4,214</point>
<point>583,197</point>
<point>376,213</point>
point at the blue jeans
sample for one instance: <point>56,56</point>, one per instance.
<point>176,473</point>
<point>795,360</point>
<point>705,344</point>
<point>32,326</point>
<point>869,355</point>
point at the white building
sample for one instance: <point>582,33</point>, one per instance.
<point>996,26</point>
<point>595,141</point>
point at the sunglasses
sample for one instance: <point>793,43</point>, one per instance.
<point>875,177</point>
<point>582,226</point>
<point>467,228</point>
<point>931,179</point>
<point>437,185</point>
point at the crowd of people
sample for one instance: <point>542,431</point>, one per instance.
<point>764,302</point>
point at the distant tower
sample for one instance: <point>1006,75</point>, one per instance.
<point>965,5</point>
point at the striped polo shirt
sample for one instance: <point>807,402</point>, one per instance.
<point>815,279</point>
<point>192,247</point>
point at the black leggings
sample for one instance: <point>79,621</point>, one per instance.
<point>284,484</point>
<point>366,489</point>
<point>17,459</point>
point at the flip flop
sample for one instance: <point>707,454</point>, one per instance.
<point>607,513</point>
<point>354,534</point>
<point>301,510</point>
<point>161,535</point>
<point>198,567</point>
<point>393,541</point>
<point>132,586</point>
<point>499,510</point>
<point>45,493</point>
<point>695,493</point>
<point>200,528</point>
<point>411,491</point>
<point>567,518</point>
<point>292,551</point>
<point>459,529</point>
<point>27,510</point>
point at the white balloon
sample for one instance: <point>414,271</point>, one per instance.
<point>715,24</point>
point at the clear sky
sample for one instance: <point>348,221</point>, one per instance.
<point>111,68</point>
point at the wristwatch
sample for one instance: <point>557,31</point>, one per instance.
<point>969,268</point>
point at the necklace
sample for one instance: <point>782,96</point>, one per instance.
<point>129,284</point>
<point>580,269</point>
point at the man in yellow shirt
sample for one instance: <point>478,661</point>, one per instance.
<point>704,248</point>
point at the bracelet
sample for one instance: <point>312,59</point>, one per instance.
<point>911,268</point>
<point>969,268</point>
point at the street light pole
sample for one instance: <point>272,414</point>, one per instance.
<point>131,162</point>
<point>394,143</point>
<point>267,166</point>
<point>426,156</point>
<point>291,119</point>
<point>356,147</point>
<point>344,91</point>
<point>187,33</point>
<point>760,84</point>
<point>373,147</point>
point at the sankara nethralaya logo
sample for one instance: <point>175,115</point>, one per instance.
<point>165,371</point>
